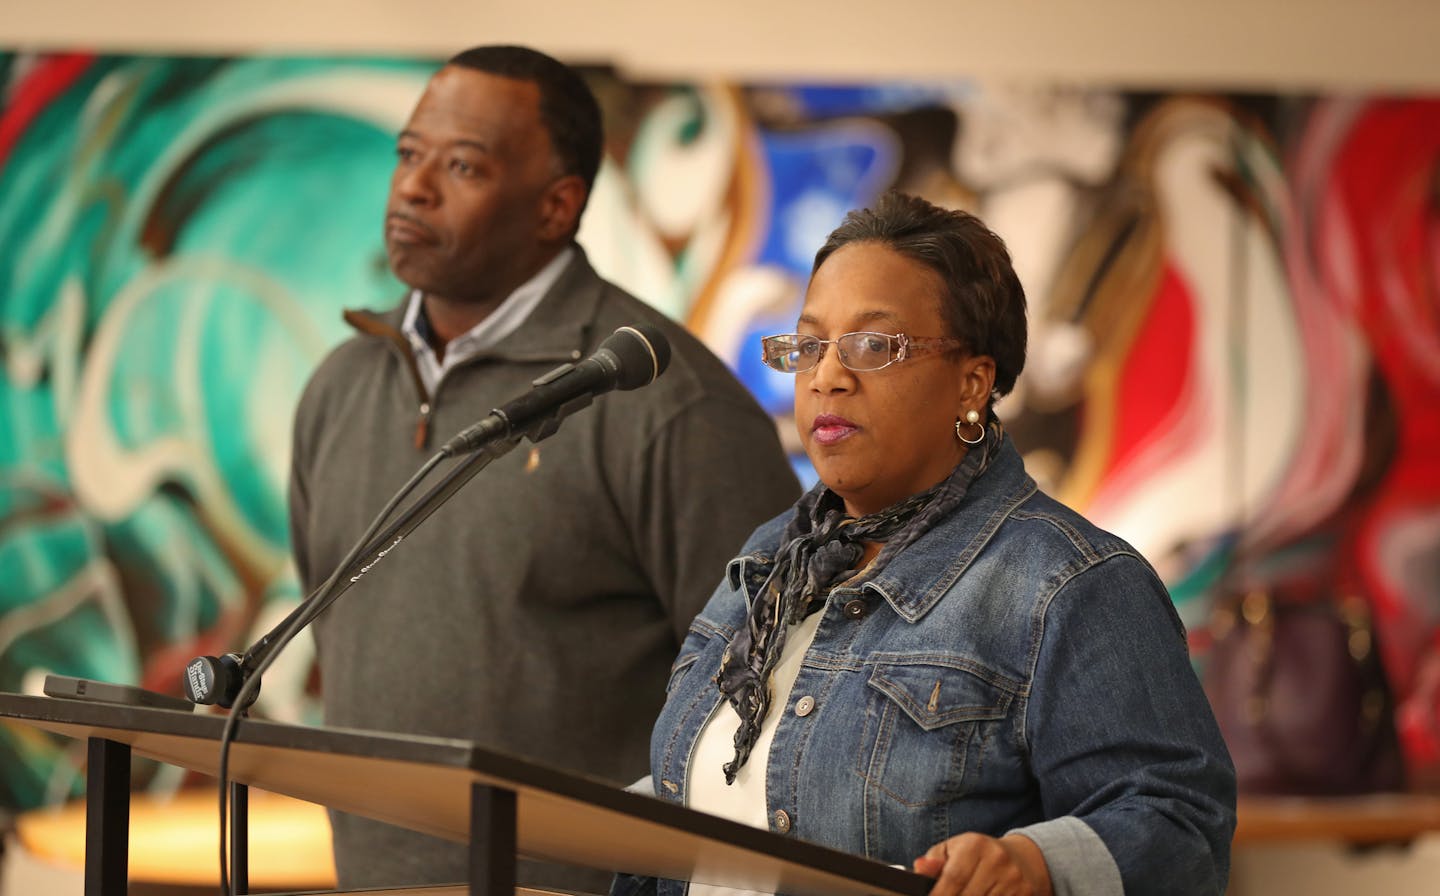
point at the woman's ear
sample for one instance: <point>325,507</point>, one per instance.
<point>977,381</point>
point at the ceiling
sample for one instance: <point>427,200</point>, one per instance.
<point>1387,45</point>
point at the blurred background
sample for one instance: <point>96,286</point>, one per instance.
<point>1226,217</point>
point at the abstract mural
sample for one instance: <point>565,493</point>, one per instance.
<point>1235,325</point>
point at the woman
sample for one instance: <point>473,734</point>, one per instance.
<point>927,661</point>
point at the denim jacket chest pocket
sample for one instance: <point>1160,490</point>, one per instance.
<point>927,729</point>
<point>705,637</point>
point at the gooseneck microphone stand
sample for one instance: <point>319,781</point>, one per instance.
<point>369,550</point>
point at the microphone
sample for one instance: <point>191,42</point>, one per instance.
<point>629,358</point>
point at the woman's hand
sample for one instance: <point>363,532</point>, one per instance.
<point>977,865</point>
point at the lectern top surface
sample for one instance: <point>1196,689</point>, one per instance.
<point>424,783</point>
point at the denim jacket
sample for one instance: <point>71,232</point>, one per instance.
<point>1015,669</point>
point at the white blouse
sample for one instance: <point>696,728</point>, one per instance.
<point>744,801</point>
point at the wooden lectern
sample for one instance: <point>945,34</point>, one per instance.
<point>500,804</point>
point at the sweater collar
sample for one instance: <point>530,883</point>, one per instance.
<point>559,329</point>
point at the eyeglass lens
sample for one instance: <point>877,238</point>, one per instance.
<point>797,353</point>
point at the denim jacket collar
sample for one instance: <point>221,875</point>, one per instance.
<point>916,580</point>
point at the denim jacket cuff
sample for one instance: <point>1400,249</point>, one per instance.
<point>1078,860</point>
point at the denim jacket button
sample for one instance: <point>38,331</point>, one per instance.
<point>782,821</point>
<point>856,609</point>
<point>804,706</point>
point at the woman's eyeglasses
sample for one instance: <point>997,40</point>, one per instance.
<point>797,353</point>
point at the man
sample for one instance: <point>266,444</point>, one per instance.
<point>538,611</point>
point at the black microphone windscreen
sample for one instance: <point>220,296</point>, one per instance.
<point>643,353</point>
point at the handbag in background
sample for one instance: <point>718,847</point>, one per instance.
<point>1296,681</point>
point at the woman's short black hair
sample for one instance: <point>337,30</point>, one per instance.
<point>984,303</point>
<point>568,109</point>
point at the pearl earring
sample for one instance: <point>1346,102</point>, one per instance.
<point>972,417</point>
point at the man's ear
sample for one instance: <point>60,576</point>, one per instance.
<point>560,208</point>
<point>977,381</point>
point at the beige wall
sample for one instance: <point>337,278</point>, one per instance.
<point>1220,44</point>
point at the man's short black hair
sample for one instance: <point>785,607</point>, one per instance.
<point>568,109</point>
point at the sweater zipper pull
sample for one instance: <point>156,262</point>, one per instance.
<point>422,427</point>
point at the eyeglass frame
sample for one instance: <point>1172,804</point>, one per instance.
<point>910,347</point>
